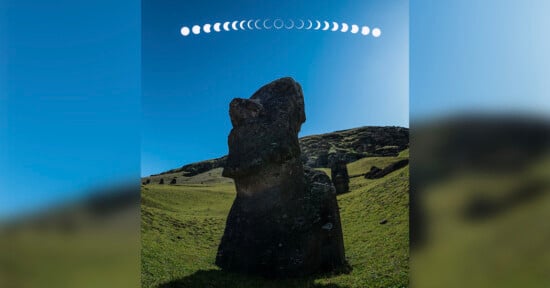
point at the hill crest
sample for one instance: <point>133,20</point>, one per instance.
<point>349,145</point>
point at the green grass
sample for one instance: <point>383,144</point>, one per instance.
<point>182,226</point>
<point>362,166</point>
<point>508,249</point>
<point>404,153</point>
<point>213,176</point>
<point>89,257</point>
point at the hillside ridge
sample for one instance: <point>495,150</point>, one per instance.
<point>348,145</point>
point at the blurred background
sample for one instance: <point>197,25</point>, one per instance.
<point>70,134</point>
<point>69,143</point>
<point>480,144</point>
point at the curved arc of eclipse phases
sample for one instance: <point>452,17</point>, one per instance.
<point>278,24</point>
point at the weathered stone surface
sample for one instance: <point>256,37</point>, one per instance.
<point>339,175</point>
<point>376,172</point>
<point>285,219</point>
<point>353,144</point>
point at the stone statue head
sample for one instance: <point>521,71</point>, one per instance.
<point>265,128</point>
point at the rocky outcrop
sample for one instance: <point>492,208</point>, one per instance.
<point>376,172</point>
<point>173,181</point>
<point>353,144</point>
<point>285,219</point>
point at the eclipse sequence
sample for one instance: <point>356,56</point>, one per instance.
<point>280,24</point>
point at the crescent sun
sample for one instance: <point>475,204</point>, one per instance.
<point>301,25</point>
<point>354,28</point>
<point>326,26</point>
<point>291,25</point>
<point>241,25</point>
<point>234,25</point>
<point>248,24</point>
<point>344,27</point>
<point>217,27</point>
<point>310,24</point>
<point>256,24</point>
<point>335,27</point>
<point>226,26</point>
<point>318,25</point>
<point>265,26</point>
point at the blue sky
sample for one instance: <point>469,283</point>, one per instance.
<point>479,56</point>
<point>348,80</point>
<point>70,100</point>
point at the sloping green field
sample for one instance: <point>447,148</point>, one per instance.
<point>182,226</point>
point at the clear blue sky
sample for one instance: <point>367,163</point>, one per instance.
<point>70,100</point>
<point>479,56</point>
<point>188,82</point>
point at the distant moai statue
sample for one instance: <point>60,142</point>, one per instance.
<point>148,181</point>
<point>173,181</point>
<point>161,181</point>
<point>339,175</point>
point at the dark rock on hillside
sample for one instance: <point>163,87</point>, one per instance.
<point>173,181</point>
<point>376,172</point>
<point>353,144</point>
<point>339,175</point>
<point>285,219</point>
<point>161,181</point>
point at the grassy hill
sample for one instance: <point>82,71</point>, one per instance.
<point>182,226</point>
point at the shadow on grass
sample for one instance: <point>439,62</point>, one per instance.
<point>222,279</point>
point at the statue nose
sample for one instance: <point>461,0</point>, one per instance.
<point>241,110</point>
